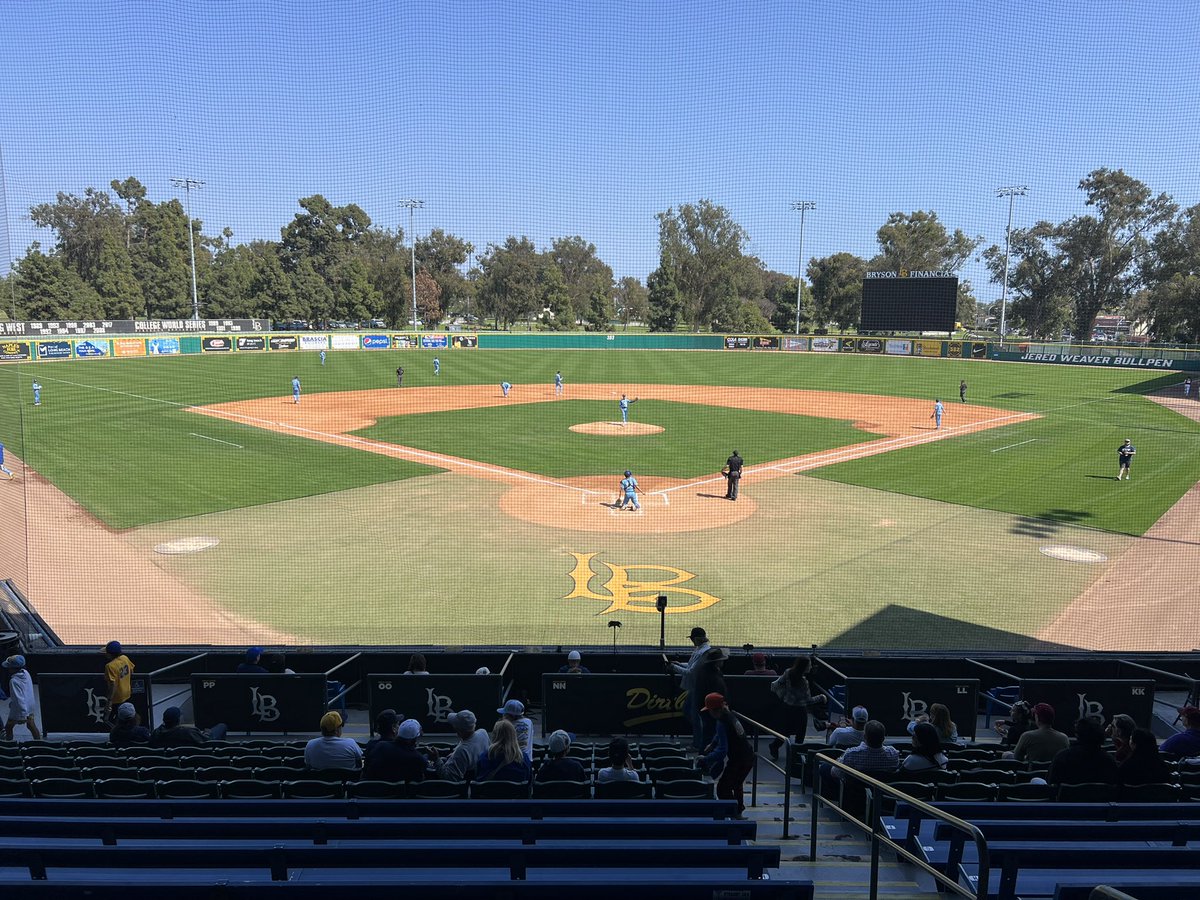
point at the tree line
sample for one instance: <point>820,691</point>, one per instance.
<point>119,255</point>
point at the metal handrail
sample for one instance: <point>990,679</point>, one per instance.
<point>344,662</point>
<point>1173,676</point>
<point>875,789</point>
<point>182,662</point>
<point>504,668</point>
<point>787,768</point>
<point>1104,891</point>
<point>1016,679</point>
<point>343,692</point>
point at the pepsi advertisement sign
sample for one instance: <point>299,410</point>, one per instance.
<point>54,350</point>
<point>376,342</point>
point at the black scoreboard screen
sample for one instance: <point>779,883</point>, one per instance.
<point>909,302</point>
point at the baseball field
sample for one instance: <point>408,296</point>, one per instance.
<point>189,499</point>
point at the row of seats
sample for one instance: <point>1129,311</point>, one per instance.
<point>313,788</point>
<point>1066,793</point>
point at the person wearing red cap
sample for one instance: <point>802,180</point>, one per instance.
<point>758,666</point>
<point>1043,743</point>
<point>729,758</point>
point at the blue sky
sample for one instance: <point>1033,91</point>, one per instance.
<point>551,119</point>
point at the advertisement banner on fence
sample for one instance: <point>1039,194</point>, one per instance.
<point>12,351</point>
<point>129,347</point>
<point>464,341</point>
<point>954,349</point>
<point>251,343</point>
<point>375,342</point>
<point>403,342</point>
<point>899,348</point>
<point>92,349</point>
<point>344,342</point>
<point>927,348</point>
<point>737,343</point>
<point>314,342</point>
<point>978,350</point>
<point>614,704</point>
<point>766,343</point>
<point>54,350</point>
<point>795,343</point>
<point>848,345</point>
<point>283,342</point>
<point>216,344</point>
<point>162,346</point>
<point>870,345</point>
<point>434,341</point>
<point>825,345</point>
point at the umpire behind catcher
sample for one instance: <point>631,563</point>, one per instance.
<point>733,475</point>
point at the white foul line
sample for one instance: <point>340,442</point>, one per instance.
<point>1010,446</point>
<point>218,440</point>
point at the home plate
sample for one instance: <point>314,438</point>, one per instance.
<point>187,545</point>
<point>1073,554</point>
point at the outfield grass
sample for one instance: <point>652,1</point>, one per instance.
<point>535,437</point>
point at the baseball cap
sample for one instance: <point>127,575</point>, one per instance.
<point>331,722</point>
<point>559,742</point>
<point>254,653</point>
<point>483,670</point>
<point>860,714</point>
<point>1044,711</point>
<point>512,708</point>
<point>112,647</point>
<point>714,701</point>
<point>758,658</point>
<point>385,720</point>
<point>574,656</point>
<point>410,729</point>
<point>126,712</point>
<point>698,632</point>
<point>463,717</point>
<point>172,715</point>
<point>16,661</point>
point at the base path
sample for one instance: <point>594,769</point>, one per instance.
<point>588,503</point>
<point>1146,600</point>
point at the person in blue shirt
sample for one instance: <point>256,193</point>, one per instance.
<point>505,387</point>
<point>558,384</point>
<point>253,664</point>
<point>629,492</point>
<point>322,357</point>
<point>936,415</point>
<point>3,468</point>
<point>623,405</point>
<point>296,389</point>
<point>437,367</point>
<point>504,759</point>
<point>37,393</point>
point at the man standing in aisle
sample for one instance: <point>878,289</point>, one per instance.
<point>688,671</point>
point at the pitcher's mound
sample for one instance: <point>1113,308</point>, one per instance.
<point>616,428</point>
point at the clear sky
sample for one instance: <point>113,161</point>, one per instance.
<point>550,119</point>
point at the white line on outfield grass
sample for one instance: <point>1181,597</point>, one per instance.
<point>95,387</point>
<point>1010,446</point>
<point>218,440</point>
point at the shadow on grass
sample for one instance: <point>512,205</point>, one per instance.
<point>901,628</point>
<point>1050,522</point>
<point>1150,385</point>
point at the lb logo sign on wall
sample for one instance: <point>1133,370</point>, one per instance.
<point>376,342</point>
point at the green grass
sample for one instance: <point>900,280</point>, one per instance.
<point>535,437</point>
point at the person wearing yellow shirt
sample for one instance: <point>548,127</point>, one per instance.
<point>118,676</point>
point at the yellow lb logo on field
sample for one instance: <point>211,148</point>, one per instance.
<point>633,595</point>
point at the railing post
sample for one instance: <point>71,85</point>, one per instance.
<point>873,802</point>
<point>754,781</point>
<point>816,805</point>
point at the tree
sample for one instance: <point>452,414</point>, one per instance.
<point>919,242</point>
<point>311,296</point>
<point>1036,282</point>
<point>160,257</point>
<point>354,297</point>
<point>271,292</point>
<point>665,305</point>
<point>702,246</point>
<point>598,313</point>
<point>429,299</point>
<point>442,254</point>
<point>46,288</point>
<point>386,258</point>
<point>582,269</point>
<point>228,282</point>
<point>837,289</point>
<point>509,289</point>
<point>780,294</point>
<point>557,312</point>
<point>85,228</point>
<point>1105,253</point>
<point>1172,301</point>
<point>631,300</point>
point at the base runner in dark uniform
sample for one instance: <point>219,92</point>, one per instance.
<point>1124,458</point>
<point>733,476</point>
<point>962,391</point>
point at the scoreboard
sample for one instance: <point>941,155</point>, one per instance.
<point>909,301</point>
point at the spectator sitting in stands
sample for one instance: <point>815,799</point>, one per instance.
<point>850,733</point>
<point>410,762</point>
<point>574,665</point>
<point>171,734</point>
<point>1121,729</point>
<point>514,712</point>
<point>504,759</point>
<point>1186,742</point>
<point>416,665</point>
<point>383,759</point>
<point>276,664</point>
<point>558,766</point>
<point>331,750</point>
<point>1086,762</point>
<point>472,742</point>
<point>620,764</point>
<point>758,665</point>
<point>939,718</point>
<point>1043,743</point>
<point>253,664</point>
<point>1144,764</point>
<point>129,729</point>
<point>927,750</point>
<point>872,756</point>
<point>1020,721</point>
<point>731,758</point>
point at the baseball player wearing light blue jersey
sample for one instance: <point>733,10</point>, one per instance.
<point>322,357</point>
<point>938,409</point>
<point>37,394</point>
<point>558,384</point>
<point>296,389</point>
<point>629,489</point>
<point>437,367</point>
<point>3,468</point>
<point>624,406</point>
<point>505,387</point>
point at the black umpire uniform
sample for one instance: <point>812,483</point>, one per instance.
<point>733,476</point>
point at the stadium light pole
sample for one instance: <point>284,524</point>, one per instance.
<point>188,184</point>
<point>1011,192</point>
<point>803,206</point>
<point>413,206</point>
